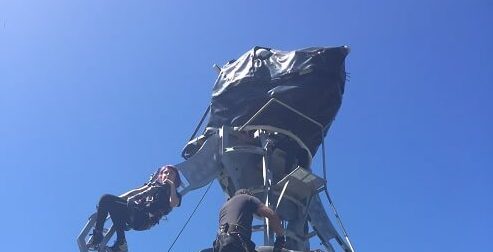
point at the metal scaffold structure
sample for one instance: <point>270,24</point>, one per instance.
<point>269,114</point>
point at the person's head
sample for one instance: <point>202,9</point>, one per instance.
<point>243,191</point>
<point>171,172</point>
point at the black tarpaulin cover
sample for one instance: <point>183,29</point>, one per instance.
<point>309,80</point>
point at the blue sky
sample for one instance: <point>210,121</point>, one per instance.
<point>95,95</point>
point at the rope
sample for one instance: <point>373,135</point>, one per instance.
<point>190,217</point>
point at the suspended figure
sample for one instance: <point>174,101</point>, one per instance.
<point>138,209</point>
<point>270,112</point>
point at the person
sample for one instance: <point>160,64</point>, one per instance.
<point>138,209</point>
<point>235,224</point>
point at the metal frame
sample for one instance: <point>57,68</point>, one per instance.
<point>212,171</point>
<point>348,246</point>
<point>81,239</point>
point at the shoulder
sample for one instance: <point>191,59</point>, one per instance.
<point>253,200</point>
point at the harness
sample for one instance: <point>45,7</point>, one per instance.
<point>148,208</point>
<point>229,233</point>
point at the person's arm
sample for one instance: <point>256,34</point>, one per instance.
<point>174,200</point>
<point>133,192</point>
<point>142,190</point>
<point>274,220</point>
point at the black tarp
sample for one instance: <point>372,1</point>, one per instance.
<point>309,80</point>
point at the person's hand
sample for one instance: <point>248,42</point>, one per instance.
<point>279,244</point>
<point>169,181</point>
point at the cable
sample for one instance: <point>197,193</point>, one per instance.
<point>330,200</point>
<point>339,220</point>
<point>190,217</point>
<point>200,123</point>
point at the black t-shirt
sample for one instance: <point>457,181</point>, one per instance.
<point>153,206</point>
<point>239,210</point>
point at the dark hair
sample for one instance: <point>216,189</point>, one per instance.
<point>177,177</point>
<point>243,191</point>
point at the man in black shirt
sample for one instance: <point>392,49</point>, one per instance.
<point>235,223</point>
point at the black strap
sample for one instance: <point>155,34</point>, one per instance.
<point>222,241</point>
<point>233,228</point>
<point>237,231</point>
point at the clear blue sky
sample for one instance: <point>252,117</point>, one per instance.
<point>95,95</point>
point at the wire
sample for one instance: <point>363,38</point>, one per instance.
<point>200,123</point>
<point>190,217</point>
<point>330,200</point>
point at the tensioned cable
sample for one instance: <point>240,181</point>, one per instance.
<point>190,217</point>
<point>200,123</point>
<point>330,200</point>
